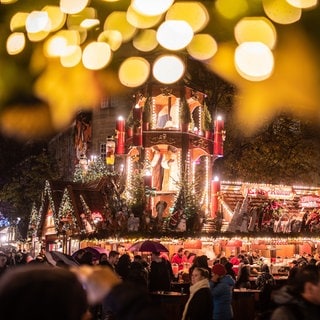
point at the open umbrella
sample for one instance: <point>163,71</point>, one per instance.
<point>95,250</point>
<point>54,256</point>
<point>148,246</point>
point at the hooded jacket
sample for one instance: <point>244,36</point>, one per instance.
<point>222,297</point>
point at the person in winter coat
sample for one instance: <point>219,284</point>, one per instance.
<point>301,299</point>
<point>266,283</point>
<point>221,287</point>
<point>199,304</point>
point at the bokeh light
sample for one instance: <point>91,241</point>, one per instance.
<point>174,34</point>
<point>96,55</point>
<point>256,29</point>
<point>202,47</point>
<point>254,61</point>
<point>134,72</point>
<point>168,69</point>
<point>151,7</point>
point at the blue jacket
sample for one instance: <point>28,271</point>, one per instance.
<point>222,297</point>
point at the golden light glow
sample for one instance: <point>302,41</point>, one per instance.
<point>202,47</point>
<point>89,23</point>
<point>254,61</point>
<point>256,29</point>
<point>142,21</point>
<point>56,16</point>
<point>145,40</point>
<point>18,21</point>
<point>37,21</point>
<point>75,20</point>
<point>96,55</point>
<point>281,11</point>
<point>303,4</point>
<point>134,71</point>
<point>151,7</point>
<point>16,43</point>
<point>55,46</point>
<point>112,37</point>
<point>117,20</point>
<point>71,57</point>
<point>131,26</point>
<point>193,12</point>
<point>231,9</point>
<point>73,6</point>
<point>174,34</point>
<point>168,69</point>
<point>37,36</point>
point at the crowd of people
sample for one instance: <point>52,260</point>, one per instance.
<point>118,286</point>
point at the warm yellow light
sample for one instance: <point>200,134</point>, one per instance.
<point>256,29</point>
<point>72,56</point>
<point>117,20</point>
<point>89,23</point>
<point>142,21</point>
<point>194,12</point>
<point>134,72</point>
<point>96,55</point>
<point>303,4</point>
<point>75,20</point>
<point>56,45</point>
<point>145,40</point>
<point>151,7</point>
<point>16,43</point>
<point>254,61</point>
<point>281,11</point>
<point>56,16</point>
<point>18,21</point>
<point>37,21</point>
<point>202,47</point>
<point>73,6</point>
<point>37,36</point>
<point>174,34</point>
<point>168,69</point>
<point>112,37</point>
<point>231,9</point>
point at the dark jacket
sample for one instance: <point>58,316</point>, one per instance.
<point>292,306</point>
<point>127,301</point>
<point>200,306</point>
<point>160,276</point>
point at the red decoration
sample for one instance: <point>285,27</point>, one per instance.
<point>120,124</point>
<point>215,189</point>
<point>120,143</point>
<point>147,180</point>
<point>120,136</point>
<point>218,137</point>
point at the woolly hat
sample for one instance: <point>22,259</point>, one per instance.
<point>219,269</point>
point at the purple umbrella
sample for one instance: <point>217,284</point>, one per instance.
<point>95,250</point>
<point>148,246</point>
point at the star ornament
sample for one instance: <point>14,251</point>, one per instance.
<point>292,87</point>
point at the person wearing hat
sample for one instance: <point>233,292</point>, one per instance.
<point>221,287</point>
